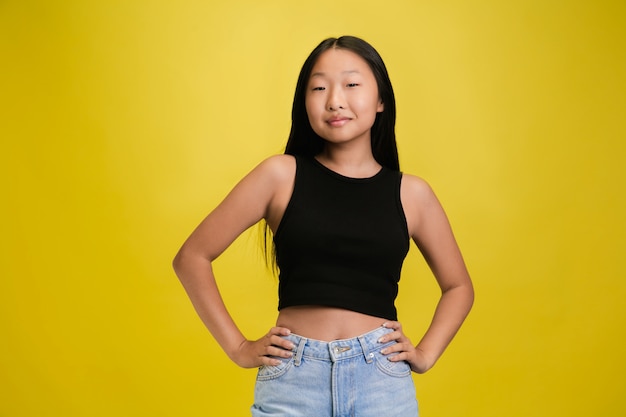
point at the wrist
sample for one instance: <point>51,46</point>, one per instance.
<point>425,360</point>
<point>236,351</point>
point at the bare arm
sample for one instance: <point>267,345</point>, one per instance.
<point>431,231</point>
<point>251,200</point>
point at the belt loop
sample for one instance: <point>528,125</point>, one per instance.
<point>369,357</point>
<point>299,351</point>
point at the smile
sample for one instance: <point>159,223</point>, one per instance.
<point>338,122</point>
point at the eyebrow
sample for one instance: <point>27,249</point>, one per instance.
<point>321,74</point>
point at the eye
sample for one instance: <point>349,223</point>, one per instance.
<point>318,88</point>
<point>352,85</point>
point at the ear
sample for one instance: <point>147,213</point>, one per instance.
<point>381,106</point>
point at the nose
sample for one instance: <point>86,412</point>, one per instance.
<point>336,100</point>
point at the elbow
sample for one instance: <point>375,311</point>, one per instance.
<point>181,260</point>
<point>468,289</point>
<point>463,292</point>
<point>469,296</point>
<point>188,260</point>
<point>177,262</point>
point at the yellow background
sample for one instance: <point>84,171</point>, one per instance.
<point>124,122</point>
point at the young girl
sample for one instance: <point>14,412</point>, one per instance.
<point>342,216</point>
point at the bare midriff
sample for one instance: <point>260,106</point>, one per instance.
<point>326,323</point>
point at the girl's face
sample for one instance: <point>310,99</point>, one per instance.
<point>342,97</point>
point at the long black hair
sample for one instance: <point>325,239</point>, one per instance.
<point>304,141</point>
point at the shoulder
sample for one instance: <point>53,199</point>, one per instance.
<point>277,168</point>
<point>419,201</point>
<point>269,175</point>
<point>279,163</point>
<point>415,188</point>
<point>421,206</point>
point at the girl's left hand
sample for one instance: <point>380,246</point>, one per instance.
<point>404,350</point>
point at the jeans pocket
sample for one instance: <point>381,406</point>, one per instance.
<point>396,369</point>
<point>268,372</point>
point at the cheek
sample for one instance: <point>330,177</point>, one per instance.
<point>367,105</point>
<point>311,107</point>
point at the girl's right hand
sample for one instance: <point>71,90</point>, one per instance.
<point>252,354</point>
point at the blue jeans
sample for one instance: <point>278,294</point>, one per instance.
<point>336,379</point>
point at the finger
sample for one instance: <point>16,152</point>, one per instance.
<point>395,335</point>
<point>277,351</point>
<point>395,325</point>
<point>268,361</point>
<point>395,348</point>
<point>283,344</point>
<point>280,331</point>
<point>402,356</point>
<point>280,341</point>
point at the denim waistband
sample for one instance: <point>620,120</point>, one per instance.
<point>366,345</point>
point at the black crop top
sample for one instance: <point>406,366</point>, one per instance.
<point>342,241</point>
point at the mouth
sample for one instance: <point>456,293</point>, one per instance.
<point>338,121</point>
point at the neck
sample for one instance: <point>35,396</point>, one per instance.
<point>350,161</point>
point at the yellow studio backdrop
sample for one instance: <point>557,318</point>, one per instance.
<point>123,123</point>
